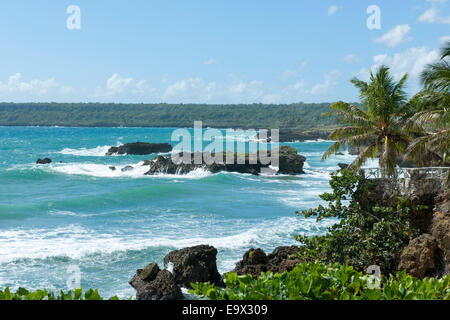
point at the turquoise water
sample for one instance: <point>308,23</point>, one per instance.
<point>80,213</point>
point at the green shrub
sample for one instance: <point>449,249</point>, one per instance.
<point>364,235</point>
<point>24,294</point>
<point>317,281</point>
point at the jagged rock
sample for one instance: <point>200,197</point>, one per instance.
<point>127,168</point>
<point>163,287</point>
<point>255,261</point>
<point>290,163</point>
<point>150,272</point>
<point>440,229</point>
<point>151,283</point>
<point>194,264</point>
<point>419,257</point>
<point>343,166</point>
<point>139,148</point>
<point>44,161</point>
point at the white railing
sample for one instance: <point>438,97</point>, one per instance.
<point>405,173</point>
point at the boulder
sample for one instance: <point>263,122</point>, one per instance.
<point>127,168</point>
<point>44,161</point>
<point>151,283</point>
<point>194,264</point>
<point>255,261</point>
<point>440,229</point>
<point>150,272</point>
<point>343,166</point>
<point>290,163</point>
<point>419,257</point>
<point>140,148</point>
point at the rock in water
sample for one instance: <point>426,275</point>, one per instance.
<point>194,264</point>
<point>255,261</point>
<point>290,163</point>
<point>139,148</point>
<point>151,283</point>
<point>44,161</point>
<point>127,168</point>
<point>343,166</point>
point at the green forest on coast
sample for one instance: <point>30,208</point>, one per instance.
<point>255,116</point>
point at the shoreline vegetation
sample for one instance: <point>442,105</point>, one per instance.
<point>401,232</point>
<point>299,116</point>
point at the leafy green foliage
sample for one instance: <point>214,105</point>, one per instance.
<point>256,116</point>
<point>317,281</point>
<point>365,234</point>
<point>78,294</point>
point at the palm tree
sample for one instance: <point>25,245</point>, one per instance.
<point>377,124</point>
<point>433,118</point>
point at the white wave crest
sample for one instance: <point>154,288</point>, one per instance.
<point>77,242</point>
<point>99,151</point>
<point>136,170</point>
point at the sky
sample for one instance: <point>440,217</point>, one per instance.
<point>211,51</point>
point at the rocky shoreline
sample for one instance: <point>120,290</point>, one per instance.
<point>290,162</point>
<point>427,255</point>
<point>199,264</point>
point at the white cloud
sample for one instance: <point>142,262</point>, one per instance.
<point>444,39</point>
<point>411,61</point>
<point>351,58</point>
<point>196,90</point>
<point>118,86</point>
<point>210,61</point>
<point>331,80</point>
<point>332,9</point>
<point>292,73</point>
<point>67,90</point>
<point>395,36</point>
<point>38,87</point>
<point>431,16</point>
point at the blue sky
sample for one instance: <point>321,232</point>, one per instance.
<point>211,51</point>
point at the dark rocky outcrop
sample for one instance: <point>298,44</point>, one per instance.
<point>255,261</point>
<point>152,283</point>
<point>343,166</point>
<point>44,161</point>
<point>429,254</point>
<point>293,135</point>
<point>419,257</point>
<point>290,162</point>
<point>140,148</point>
<point>127,168</point>
<point>194,264</point>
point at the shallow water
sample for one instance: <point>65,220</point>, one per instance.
<point>80,213</point>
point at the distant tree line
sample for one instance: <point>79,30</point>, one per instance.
<point>257,116</point>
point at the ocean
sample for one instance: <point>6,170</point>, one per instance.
<point>106,224</point>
